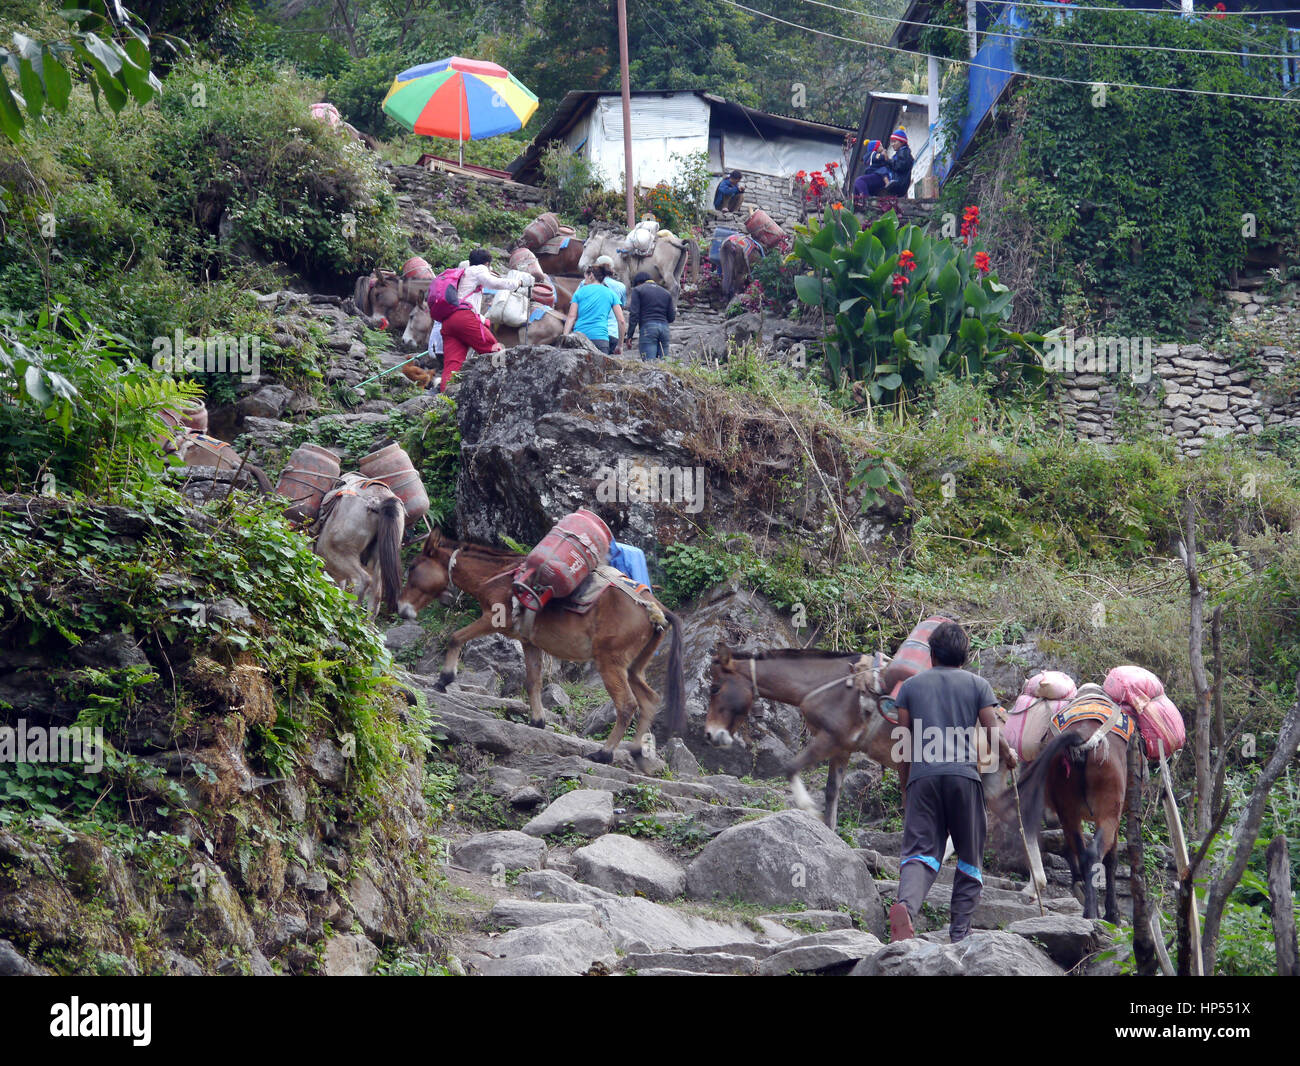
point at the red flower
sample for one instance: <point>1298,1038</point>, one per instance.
<point>982,262</point>
<point>907,261</point>
<point>831,167</point>
<point>837,206</point>
<point>1219,9</point>
<point>801,176</point>
<point>900,282</point>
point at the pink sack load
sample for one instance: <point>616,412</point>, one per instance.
<point>1159,720</point>
<point>1051,686</point>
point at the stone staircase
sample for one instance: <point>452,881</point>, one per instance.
<point>713,876</point>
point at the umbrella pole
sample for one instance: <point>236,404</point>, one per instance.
<point>460,124</point>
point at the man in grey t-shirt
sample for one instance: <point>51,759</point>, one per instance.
<point>940,712</point>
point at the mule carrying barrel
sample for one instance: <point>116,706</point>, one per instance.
<point>578,544</point>
<point>311,473</point>
<point>392,466</point>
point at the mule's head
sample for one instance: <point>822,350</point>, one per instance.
<point>418,327</point>
<point>731,697</point>
<point>394,299</point>
<point>426,580</point>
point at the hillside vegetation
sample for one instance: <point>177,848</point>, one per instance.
<point>170,215</point>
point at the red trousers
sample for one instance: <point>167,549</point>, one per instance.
<point>464,330</point>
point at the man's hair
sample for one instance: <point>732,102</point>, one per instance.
<point>479,256</point>
<point>642,276</point>
<point>736,174</point>
<point>949,645</point>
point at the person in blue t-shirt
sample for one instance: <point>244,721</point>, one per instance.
<point>727,195</point>
<point>590,308</point>
<point>620,290</point>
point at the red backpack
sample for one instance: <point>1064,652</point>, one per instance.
<point>443,298</point>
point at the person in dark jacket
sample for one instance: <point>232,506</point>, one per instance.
<point>650,307</point>
<point>727,195</point>
<point>900,164</point>
<point>940,713</point>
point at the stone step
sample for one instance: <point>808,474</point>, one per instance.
<point>701,962</point>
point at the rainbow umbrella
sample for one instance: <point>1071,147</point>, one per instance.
<point>464,99</point>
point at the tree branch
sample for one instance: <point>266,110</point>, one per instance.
<point>1243,838</point>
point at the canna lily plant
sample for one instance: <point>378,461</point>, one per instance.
<point>907,306</point>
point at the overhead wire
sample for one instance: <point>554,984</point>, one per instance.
<point>1033,75</point>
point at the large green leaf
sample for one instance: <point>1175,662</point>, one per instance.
<point>976,297</point>
<point>58,82</point>
<point>30,80</point>
<point>11,113</point>
<point>809,289</point>
<point>973,331</point>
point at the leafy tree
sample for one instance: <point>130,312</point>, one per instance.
<point>105,46</point>
<point>1139,202</point>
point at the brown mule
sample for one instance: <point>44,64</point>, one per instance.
<point>1080,779</point>
<point>842,719</point>
<point>616,633</point>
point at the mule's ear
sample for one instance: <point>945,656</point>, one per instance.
<point>435,538</point>
<point>723,654</point>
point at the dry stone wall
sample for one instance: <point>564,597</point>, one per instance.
<point>1192,393</point>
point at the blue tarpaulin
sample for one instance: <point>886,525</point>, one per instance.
<point>630,561</point>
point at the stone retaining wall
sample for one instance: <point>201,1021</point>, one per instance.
<point>1196,395</point>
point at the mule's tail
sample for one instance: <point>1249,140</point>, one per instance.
<point>675,682</point>
<point>693,266</point>
<point>1032,783</point>
<point>391,521</point>
<point>361,293</point>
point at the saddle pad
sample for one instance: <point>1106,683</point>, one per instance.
<point>555,245</point>
<point>585,595</point>
<point>1026,728</point>
<point>751,248</point>
<point>1093,712</point>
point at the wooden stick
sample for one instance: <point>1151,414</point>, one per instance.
<point>1179,841</point>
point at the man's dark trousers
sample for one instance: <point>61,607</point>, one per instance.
<point>938,807</point>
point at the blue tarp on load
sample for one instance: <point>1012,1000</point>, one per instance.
<point>630,561</point>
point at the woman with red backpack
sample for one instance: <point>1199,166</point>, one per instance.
<point>463,328</point>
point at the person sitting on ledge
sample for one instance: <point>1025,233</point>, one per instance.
<point>727,196</point>
<point>871,182</point>
<point>900,164</point>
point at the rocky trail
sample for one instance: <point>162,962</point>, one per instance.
<point>562,866</point>
<point>554,864</point>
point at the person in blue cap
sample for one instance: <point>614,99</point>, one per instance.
<point>875,173</point>
<point>900,164</point>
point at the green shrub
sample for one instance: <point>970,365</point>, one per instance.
<point>907,307</point>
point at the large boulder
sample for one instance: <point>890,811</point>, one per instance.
<point>1067,939</point>
<point>516,913</point>
<point>629,867</point>
<point>786,859</point>
<point>539,426</point>
<point>569,946</point>
<point>638,925</point>
<point>348,955</point>
<point>499,852</point>
<point>984,954</point>
<point>588,812</point>
<point>834,952</point>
